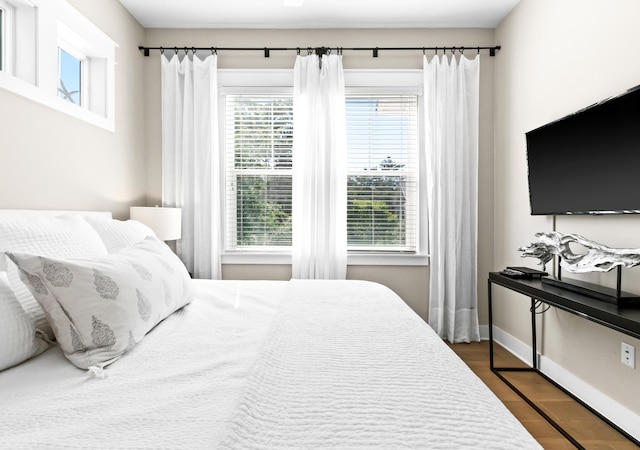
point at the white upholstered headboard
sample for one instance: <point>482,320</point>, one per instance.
<point>27,213</point>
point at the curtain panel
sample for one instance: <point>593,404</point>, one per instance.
<point>191,159</point>
<point>319,202</point>
<point>451,128</point>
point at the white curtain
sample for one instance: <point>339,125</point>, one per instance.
<point>191,158</point>
<point>451,105</point>
<point>319,200</point>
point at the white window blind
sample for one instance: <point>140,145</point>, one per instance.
<point>382,140</point>
<point>259,142</point>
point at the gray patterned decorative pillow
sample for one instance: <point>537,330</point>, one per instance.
<point>99,308</point>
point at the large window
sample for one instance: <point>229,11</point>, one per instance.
<point>259,142</point>
<point>382,140</point>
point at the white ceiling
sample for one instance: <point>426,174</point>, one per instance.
<point>319,13</point>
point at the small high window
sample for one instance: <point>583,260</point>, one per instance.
<point>2,39</point>
<point>53,55</point>
<point>69,77</point>
<point>6,18</point>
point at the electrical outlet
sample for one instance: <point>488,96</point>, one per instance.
<point>628,355</point>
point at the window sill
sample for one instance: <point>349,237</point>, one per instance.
<point>34,93</point>
<point>355,259</point>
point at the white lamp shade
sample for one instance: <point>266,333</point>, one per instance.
<point>166,223</point>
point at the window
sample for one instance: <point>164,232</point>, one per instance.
<point>69,77</point>
<point>382,142</point>
<point>385,214</point>
<point>2,38</point>
<point>6,19</point>
<point>52,54</point>
<point>259,143</point>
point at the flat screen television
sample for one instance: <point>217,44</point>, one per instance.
<point>588,162</point>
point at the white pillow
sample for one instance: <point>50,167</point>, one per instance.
<point>118,234</point>
<point>18,341</point>
<point>101,307</point>
<point>65,236</point>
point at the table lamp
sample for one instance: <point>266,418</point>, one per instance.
<point>166,223</point>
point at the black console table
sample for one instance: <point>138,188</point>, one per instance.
<point>623,319</point>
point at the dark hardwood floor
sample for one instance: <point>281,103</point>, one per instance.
<point>585,427</point>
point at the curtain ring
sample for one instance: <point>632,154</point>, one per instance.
<point>161,51</point>
<point>453,50</point>
<point>309,51</point>
<point>462,50</point>
<point>298,51</point>
<point>175,49</point>
<point>193,49</point>
<point>478,50</point>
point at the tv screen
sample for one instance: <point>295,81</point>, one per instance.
<point>589,161</point>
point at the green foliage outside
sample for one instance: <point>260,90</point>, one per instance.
<point>263,216</point>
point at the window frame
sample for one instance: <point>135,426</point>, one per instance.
<point>6,37</point>
<point>3,38</point>
<point>412,176</point>
<point>36,29</point>
<point>230,235</point>
<point>275,81</point>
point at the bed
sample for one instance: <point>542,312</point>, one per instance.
<point>296,364</point>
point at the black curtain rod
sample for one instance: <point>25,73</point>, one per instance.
<point>322,50</point>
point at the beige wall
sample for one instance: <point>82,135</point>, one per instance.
<point>50,160</point>
<point>411,283</point>
<point>557,57</point>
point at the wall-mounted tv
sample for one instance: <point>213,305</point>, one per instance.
<point>588,162</point>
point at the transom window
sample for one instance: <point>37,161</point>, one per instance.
<point>70,77</point>
<point>6,13</point>
<point>52,54</point>
<point>382,140</point>
<point>2,38</point>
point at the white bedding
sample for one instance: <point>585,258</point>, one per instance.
<point>265,364</point>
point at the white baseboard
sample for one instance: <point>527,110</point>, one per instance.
<point>619,414</point>
<point>484,332</point>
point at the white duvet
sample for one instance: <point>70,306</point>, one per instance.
<point>264,364</point>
